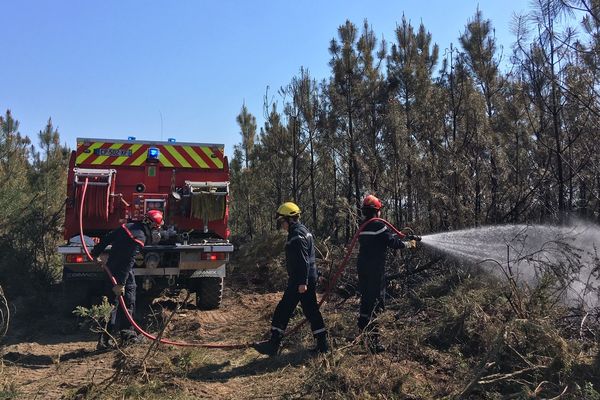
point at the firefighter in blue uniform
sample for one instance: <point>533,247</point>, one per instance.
<point>126,241</point>
<point>301,286</point>
<point>374,240</point>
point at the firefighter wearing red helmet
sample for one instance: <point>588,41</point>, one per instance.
<point>154,218</point>
<point>126,241</point>
<point>374,241</point>
<point>301,286</point>
<point>371,202</point>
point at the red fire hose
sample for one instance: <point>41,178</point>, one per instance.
<point>223,345</point>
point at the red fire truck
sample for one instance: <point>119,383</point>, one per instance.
<point>189,182</point>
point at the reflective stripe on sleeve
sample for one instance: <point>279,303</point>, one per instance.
<point>308,235</point>
<point>131,236</point>
<point>373,233</point>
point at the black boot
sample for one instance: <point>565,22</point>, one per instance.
<point>104,342</point>
<point>275,342</point>
<point>322,345</point>
<point>130,336</point>
<point>271,347</point>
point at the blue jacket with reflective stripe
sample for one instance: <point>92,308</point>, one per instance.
<point>374,241</point>
<point>300,255</point>
<point>126,241</point>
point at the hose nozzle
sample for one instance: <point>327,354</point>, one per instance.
<point>414,237</point>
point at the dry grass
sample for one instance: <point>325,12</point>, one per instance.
<point>450,333</point>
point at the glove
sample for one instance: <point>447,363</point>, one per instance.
<point>411,244</point>
<point>119,290</point>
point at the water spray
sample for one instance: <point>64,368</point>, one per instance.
<point>523,252</point>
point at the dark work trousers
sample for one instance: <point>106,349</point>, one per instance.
<point>288,303</point>
<point>371,285</point>
<point>118,319</point>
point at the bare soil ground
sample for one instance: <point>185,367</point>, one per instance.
<point>51,357</point>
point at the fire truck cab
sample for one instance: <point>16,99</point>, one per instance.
<point>189,182</point>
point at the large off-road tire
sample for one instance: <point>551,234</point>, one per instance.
<point>209,293</point>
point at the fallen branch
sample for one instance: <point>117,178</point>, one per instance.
<point>495,378</point>
<point>526,361</point>
<point>538,389</point>
<point>561,394</point>
<point>582,325</point>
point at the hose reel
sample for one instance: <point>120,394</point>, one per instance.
<point>101,192</point>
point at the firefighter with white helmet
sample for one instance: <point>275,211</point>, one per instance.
<point>302,280</point>
<point>374,241</point>
<point>126,241</point>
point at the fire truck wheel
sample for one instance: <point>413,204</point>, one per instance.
<point>209,293</point>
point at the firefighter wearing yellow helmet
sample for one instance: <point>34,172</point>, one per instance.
<point>301,285</point>
<point>288,209</point>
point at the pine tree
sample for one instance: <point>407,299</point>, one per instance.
<point>542,67</point>
<point>375,100</point>
<point>247,123</point>
<point>14,172</point>
<point>345,96</point>
<point>410,67</point>
<point>479,45</point>
<point>31,205</point>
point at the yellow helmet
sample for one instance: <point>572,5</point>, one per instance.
<point>288,209</point>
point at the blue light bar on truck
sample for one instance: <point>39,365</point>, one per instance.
<point>153,153</point>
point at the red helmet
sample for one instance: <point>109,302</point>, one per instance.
<point>371,202</point>
<point>155,217</point>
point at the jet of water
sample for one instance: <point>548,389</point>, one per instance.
<point>525,252</point>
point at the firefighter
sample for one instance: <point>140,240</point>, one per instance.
<point>374,241</point>
<point>301,285</point>
<point>126,241</point>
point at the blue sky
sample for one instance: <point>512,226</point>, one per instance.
<point>113,69</point>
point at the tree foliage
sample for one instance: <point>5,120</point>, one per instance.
<point>448,141</point>
<point>31,205</point>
